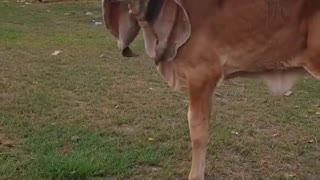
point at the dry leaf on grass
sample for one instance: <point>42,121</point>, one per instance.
<point>97,23</point>
<point>235,132</point>
<point>289,93</point>
<point>311,141</point>
<point>56,52</point>
<point>88,13</point>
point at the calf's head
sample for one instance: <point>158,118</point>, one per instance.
<point>164,23</point>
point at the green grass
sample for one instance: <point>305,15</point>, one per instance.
<point>82,116</point>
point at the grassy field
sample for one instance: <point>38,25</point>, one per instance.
<point>88,113</point>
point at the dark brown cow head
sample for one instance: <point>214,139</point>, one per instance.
<point>164,23</point>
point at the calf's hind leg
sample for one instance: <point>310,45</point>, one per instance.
<point>312,63</point>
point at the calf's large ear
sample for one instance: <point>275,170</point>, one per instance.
<point>121,24</point>
<point>166,28</point>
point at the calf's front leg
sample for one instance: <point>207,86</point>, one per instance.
<point>200,95</point>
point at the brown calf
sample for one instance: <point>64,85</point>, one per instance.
<point>197,43</point>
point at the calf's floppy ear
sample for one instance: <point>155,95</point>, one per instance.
<point>121,24</point>
<point>166,27</point>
